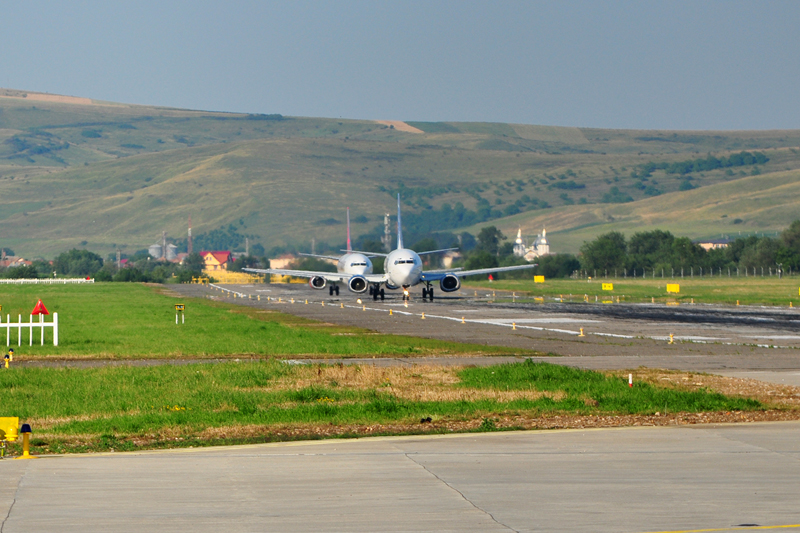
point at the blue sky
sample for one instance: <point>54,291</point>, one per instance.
<point>651,65</point>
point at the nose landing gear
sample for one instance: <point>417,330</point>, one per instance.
<point>333,289</point>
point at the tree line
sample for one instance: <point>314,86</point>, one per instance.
<point>659,251</point>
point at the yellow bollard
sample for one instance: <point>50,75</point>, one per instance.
<point>692,301</point>
<point>26,442</point>
<point>462,320</point>
<point>259,297</point>
<point>790,304</point>
<point>737,302</point>
<point>652,299</point>
<point>423,316</point>
<point>364,308</point>
<point>514,326</point>
<point>671,341</point>
<point>390,312</point>
<point>323,303</point>
<point>292,300</point>
<point>341,305</point>
<point>280,300</point>
<point>306,301</point>
<point>581,335</point>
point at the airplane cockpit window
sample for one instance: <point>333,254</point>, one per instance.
<point>404,262</point>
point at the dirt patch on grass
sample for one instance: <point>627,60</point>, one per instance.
<point>399,125</point>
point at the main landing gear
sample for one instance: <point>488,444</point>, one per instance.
<point>427,292</point>
<point>333,289</point>
<point>377,292</point>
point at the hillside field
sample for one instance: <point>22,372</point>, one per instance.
<point>103,176</point>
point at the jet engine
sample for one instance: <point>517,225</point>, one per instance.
<point>450,283</point>
<point>390,286</point>
<point>358,284</point>
<point>317,282</point>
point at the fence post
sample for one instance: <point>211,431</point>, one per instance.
<point>55,329</point>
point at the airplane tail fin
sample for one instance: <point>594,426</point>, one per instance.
<point>349,246</point>
<point>399,225</point>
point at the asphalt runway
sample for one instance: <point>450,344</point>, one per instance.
<point>719,339</point>
<point>646,479</point>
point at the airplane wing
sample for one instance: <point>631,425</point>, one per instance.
<point>368,254</point>
<point>329,276</point>
<point>436,275</point>
<point>437,251</point>
<point>320,256</point>
<point>444,271</point>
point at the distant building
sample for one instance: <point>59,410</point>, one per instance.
<point>283,261</point>
<point>541,246</point>
<point>10,261</point>
<point>713,244</point>
<point>216,260</point>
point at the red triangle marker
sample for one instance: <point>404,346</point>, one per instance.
<point>40,309</point>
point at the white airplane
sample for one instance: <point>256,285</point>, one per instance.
<point>402,269</point>
<point>351,264</point>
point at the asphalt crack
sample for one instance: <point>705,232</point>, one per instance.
<point>451,487</point>
<point>13,501</point>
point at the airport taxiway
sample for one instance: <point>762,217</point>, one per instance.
<point>711,478</point>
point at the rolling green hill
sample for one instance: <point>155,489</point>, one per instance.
<point>102,176</point>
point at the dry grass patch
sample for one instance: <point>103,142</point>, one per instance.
<point>770,394</point>
<point>429,383</point>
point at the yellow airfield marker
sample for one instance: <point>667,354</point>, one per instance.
<point>323,303</point>
<point>514,326</point>
<point>671,341</point>
<point>341,305</point>
<point>423,316</point>
<point>462,320</point>
<point>737,302</point>
<point>405,304</point>
<point>259,297</point>
<point>390,312</point>
<point>306,301</point>
<point>652,299</point>
<point>364,308</point>
<point>581,334</point>
<point>292,300</point>
<point>692,301</point>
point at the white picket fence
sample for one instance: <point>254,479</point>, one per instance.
<point>9,326</point>
<point>47,281</point>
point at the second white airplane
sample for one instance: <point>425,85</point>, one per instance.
<point>402,269</point>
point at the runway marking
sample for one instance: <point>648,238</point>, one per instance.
<point>504,322</point>
<point>734,528</point>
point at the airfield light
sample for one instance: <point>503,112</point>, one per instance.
<point>26,442</point>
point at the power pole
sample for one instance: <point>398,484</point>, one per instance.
<point>189,248</point>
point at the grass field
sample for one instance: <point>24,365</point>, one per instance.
<point>707,290</point>
<point>128,408</point>
<point>134,321</point>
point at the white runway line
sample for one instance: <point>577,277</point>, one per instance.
<point>521,324</point>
